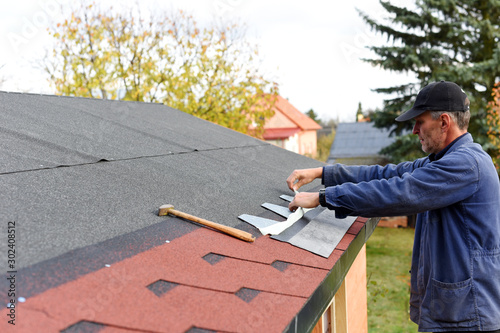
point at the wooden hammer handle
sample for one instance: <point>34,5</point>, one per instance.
<point>228,230</point>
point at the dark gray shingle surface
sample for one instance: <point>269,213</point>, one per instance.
<point>63,198</point>
<point>47,131</point>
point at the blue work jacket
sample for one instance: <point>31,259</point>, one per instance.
<point>455,270</point>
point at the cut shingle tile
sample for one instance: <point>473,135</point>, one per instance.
<point>213,258</point>
<point>84,327</point>
<point>362,219</point>
<point>355,227</point>
<point>344,243</point>
<point>247,294</point>
<point>161,287</point>
<point>280,265</point>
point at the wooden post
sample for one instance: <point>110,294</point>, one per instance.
<point>340,301</point>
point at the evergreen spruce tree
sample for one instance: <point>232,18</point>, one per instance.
<point>452,40</point>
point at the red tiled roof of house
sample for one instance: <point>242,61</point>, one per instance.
<point>279,133</point>
<point>303,121</point>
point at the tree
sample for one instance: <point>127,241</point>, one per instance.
<point>493,121</point>
<point>209,72</point>
<point>313,115</point>
<point>331,123</point>
<point>439,40</point>
<point>324,145</point>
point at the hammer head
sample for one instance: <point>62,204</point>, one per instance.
<point>164,209</point>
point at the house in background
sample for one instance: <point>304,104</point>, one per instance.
<point>359,143</point>
<point>291,129</point>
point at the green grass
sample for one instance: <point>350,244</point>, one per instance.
<point>388,260</point>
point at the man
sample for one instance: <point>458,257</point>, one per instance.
<point>455,270</point>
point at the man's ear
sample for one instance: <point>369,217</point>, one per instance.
<point>445,122</point>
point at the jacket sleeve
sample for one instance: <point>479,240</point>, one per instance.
<point>338,173</point>
<point>404,189</point>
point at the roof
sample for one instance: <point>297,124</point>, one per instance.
<point>360,139</point>
<point>301,120</point>
<point>280,133</point>
<point>82,180</point>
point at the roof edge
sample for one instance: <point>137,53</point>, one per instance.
<point>319,301</point>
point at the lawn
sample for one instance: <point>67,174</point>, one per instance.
<point>388,257</point>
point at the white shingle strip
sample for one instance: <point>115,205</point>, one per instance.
<point>278,228</point>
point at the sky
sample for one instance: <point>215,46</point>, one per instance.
<point>312,49</point>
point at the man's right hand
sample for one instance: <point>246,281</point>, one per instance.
<point>304,200</point>
<point>301,177</point>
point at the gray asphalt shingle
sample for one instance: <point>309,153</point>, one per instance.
<point>156,155</point>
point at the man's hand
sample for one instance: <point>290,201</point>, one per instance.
<point>298,178</point>
<point>304,200</point>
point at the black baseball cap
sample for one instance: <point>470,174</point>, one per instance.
<point>437,96</point>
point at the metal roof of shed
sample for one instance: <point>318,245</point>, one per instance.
<point>360,139</point>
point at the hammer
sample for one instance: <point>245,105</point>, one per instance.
<point>169,209</point>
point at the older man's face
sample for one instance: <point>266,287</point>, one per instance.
<point>429,133</point>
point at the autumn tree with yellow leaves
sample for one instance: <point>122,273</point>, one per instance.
<point>212,73</point>
<point>493,122</point>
